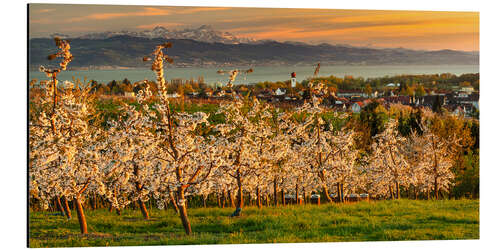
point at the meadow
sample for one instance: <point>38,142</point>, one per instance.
<point>387,220</point>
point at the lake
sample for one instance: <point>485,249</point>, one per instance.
<point>261,73</point>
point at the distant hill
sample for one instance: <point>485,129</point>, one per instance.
<point>127,51</point>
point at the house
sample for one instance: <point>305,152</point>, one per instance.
<point>405,100</point>
<point>174,95</point>
<point>341,100</point>
<point>280,91</point>
<point>265,93</point>
<point>392,84</point>
<point>356,107</point>
<point>129,94</point>
<point>340,103</point>
<point>467,90</point>
<point>335,102</point>
<point>427,100</point>
<point>472,99</point>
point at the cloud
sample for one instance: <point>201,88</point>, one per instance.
<point>41,21</point>
<point>412,29</point>
<point>198,9</point>
<point>45,10</point>
<point>146,11</point>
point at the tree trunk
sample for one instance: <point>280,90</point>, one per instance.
<point>240,191</point>
<point>183,211</point>
<point>231,198</point>
<point>138,187</point>
<point>283,200</point>
<point>218,200</point>
<point>59,205</point>
<point>223,199</point>
<point>304,195</point>
<point>144,211</point>
<point>428,194</point>
<point>81,216</point>
<point>342,195</point>
<point>339,193</point>
<point>398,194</point>
<point>326,193</point>
<point>436,190</point>
<point>391,192</point>
<point>259,203</point>
<point>173,200</point>
<point>150,201</point>
<point>66,207</point>
<point>91,202</point>
<point>297,194</point>
<point>275,189</point>
<point>204,201</point>
<point>342,190</point>
<point>118,211</point>
<point>95,201</point>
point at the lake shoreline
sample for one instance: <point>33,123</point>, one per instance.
<point>260,74</point>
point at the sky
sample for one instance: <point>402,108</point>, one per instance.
<point>423,30</point>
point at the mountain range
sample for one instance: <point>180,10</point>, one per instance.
<point>204,33</point>
<point>205,46</point>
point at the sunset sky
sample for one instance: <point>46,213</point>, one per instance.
<point>427,30</point>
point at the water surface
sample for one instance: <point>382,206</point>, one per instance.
<point>261,73</point>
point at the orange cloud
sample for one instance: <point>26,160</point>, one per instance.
<point>147,11</point>
<point>198,9</point>
<point>41,21</point>
<point>424,30</point>
<point>45,10</point>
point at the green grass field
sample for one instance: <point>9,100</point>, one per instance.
<point>363,221</point>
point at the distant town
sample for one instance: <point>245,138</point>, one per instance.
<point>440,92</point>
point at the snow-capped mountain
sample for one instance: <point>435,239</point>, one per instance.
<point>60,35</point>
<point>204,33</point>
